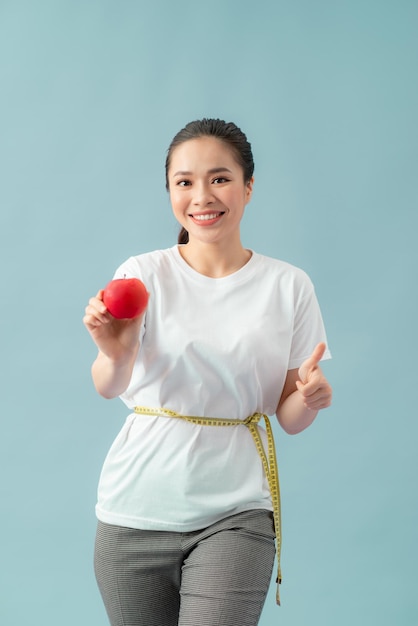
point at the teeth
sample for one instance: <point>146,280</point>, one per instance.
<point>210,216</point>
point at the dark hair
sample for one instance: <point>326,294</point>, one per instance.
<point>227,132</point>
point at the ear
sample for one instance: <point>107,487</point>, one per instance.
<point>249,189</point>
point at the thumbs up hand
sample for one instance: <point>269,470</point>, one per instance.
<point>313,386</point>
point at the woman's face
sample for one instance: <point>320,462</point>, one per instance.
<point>207,189</point>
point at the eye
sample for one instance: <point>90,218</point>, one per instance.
<point>219,180</point>
<point>183,183</point>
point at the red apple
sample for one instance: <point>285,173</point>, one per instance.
<point>125,298</point>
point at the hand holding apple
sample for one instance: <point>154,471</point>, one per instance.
<point>125,298</point>
<point>113,318</point>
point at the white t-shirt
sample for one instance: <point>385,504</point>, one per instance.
<point>212,347</point>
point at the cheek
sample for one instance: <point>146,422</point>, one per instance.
<point>178,202</point>
<point>236,199</point>
<point>174,198</point>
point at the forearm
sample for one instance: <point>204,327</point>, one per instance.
<point>293,415</point>
<point>111,377</point>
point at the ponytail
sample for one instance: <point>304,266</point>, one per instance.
<point>183,236</point>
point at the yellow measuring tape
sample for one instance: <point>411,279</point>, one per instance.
<point>269,460</point>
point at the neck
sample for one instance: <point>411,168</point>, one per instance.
<point>215,260</point>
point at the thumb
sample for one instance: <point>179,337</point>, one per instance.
<point>318,353</point>
<point>311,363</point>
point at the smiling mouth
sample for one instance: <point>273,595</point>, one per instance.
<point>207,216</point>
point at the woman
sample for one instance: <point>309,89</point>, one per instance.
<point>188,511</point>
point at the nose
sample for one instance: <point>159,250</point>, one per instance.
<point>203,195</point>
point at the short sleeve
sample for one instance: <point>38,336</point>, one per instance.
<point>308,328</point>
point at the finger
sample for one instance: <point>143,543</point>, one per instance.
<point>319,400</point>
<point>91,322</point>
<point>317,354</point>
<point>311,363</point>
<point>97,310</point>
<point>308,390</point>
<point>318,404</point>
<point>315,383</point>
<point>98,305</point>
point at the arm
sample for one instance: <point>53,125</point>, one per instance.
<point>111,377</point>
<point>118,345</point>
<point>305,392</point>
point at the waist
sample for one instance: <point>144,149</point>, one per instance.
<point>268,458</point>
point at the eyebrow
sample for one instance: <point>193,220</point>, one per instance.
<point>214,170</point>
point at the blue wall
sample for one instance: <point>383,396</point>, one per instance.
<point>91,94</point>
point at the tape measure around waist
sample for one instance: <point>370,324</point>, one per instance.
<point>268,460</point>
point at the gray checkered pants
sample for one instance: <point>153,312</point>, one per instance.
<point>217,576</point>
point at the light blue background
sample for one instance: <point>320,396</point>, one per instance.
<point>91,94</point>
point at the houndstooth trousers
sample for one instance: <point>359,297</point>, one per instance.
<point>216,576</point>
